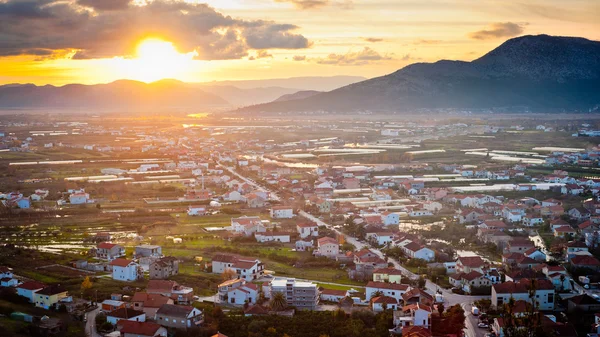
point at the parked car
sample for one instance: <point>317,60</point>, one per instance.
<point>483,325</point>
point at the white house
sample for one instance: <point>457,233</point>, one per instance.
<point>332,295</point>
<point>394,290</point>
<point>196,210</point>
<point>417,251</point>
<point>417,314</point>
<point>308,229</point>
<point>390,219</point>
<point>272,237</point>
<point>238,292</point>
<point>247,225</point>
<point>381,303</point>
<point>79,198</point>
<point>245,268</point>
<point>29,288</point>
<point>328,247</point>
<point>381,238</point>
<point>125,270</point>
<point>282,212</point>
<point>127,314</point>
<point>544,294</point>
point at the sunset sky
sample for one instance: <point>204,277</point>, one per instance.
<point>99,41</point>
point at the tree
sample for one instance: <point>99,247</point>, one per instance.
<point>455,318</point>
<point>86,284</point>
<point>228,274</point>
<point>440,309</point>
<point>278,302</point>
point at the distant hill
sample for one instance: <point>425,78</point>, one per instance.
<point>129,95</point>
<point>242,97</point>
<point>320,83</point>
<point>540,72</point>
<point>123,94</point>
<point>298,95</point>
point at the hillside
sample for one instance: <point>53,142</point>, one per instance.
<point>540,73</point>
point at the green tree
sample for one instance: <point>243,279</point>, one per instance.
<point>278,301</point>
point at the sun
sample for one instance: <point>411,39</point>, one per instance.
<point>157,59</point>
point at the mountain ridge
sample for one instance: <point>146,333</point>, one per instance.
<point>539,72</point>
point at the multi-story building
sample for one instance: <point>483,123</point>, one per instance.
<point>544,293</point>
<point>109,251</point>
<point>178,293</point>
<point>148,250</point>
<point>178,316</point>
<point>164,268</point>
<point>245,267</point>
<point>328,247</point>
<point>125,270</point>
<point>301,294</point>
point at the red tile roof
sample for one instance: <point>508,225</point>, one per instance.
<point>32,285</point>
<point>584,260</point>
<point>385,285</point>
<point>521,287</point>
<point>161,285</point>
<point>106,245</point>
<point>139,328</point>
<point>415,331</point>
<point>120,262</point>
<point>384,300</point>
<point>471,261</point>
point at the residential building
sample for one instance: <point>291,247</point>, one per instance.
<point>412,315</point>
<point>544,293</point>
<point>178,293</point>
<point>328,247</point>
<point>245,267</point>
<point>126,314</point>
<point>390,275</point>
<point>149,303</point>
<point>333,295</point>
<point>395,290</point>
<point>282,212</point>
<point>141,329</point>
<point>381,303</point>
<point>29,288</point>
<point>301,294</point>
<point>49,296</point>
<point>164,268</point>
<point>196,210</point>
<point>109,251</point>
<point>247,225</point>
<point>272,237</point>
<point>307,229</point>
<point>178,317</point>
<point>125,270</point>
<point>466,264</point>
<point>111,305</point>
<point>148,251</point>
<point>238,292</point>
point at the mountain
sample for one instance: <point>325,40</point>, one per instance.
<point>298,95</point>
<point>320,83</point>
<point>122,94</point>
<point>542,73</point>
<point>242,97</point>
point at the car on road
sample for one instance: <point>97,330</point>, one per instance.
<point>482,325</point>
<point>491,334</point>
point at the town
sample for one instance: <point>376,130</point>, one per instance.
<point>356,226</point>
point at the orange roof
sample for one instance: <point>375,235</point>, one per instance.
<point>120,262</point>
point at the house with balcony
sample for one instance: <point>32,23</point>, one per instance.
<point>544,293</point>
<point>238,292</point>
<point>412,315</point>
<point>308,229</point>
<point>126,270</point>
<point>245,267</point>
<point>303,295</point>
<point>178,293</point>
<point>109,251</point>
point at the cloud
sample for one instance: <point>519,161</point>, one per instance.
<point>365,56</point>
<point>425,41</point>
<point>498,30</point>
<point>299,58</point>
<point>372,39</point>
<point>105,5</point>
<point>108,28</point>
<point>314,4</point>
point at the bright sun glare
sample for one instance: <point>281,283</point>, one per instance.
<point>157,59</point>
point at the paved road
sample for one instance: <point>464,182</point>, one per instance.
<point>274,196</point>
<point>471,329</point>
<point>90,325</point>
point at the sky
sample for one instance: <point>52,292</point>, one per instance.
<point>99,41</point>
